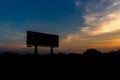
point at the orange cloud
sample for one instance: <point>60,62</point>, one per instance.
<point>107,24</point>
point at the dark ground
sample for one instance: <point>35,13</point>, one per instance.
<point>92,62</point>
<point>91,56</point>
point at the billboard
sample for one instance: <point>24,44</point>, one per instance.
<point>42,39</point>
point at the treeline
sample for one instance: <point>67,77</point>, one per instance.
<point>88,57</point>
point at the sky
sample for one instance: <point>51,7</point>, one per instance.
<point>81,24</point>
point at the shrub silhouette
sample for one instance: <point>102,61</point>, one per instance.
<point>92,52</point>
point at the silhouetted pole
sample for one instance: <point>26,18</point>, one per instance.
<point>51,50</point>
<point>36,49</point>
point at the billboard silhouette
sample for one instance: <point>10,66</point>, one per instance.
<point>42,39</point>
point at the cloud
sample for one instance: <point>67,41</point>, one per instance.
<point>106,20</point>
<point>78,42</point>
<point>115,4</point>
<point>106,24</point>
<point>77,3</point>
<point>17,37</point>
<point>101,27</point>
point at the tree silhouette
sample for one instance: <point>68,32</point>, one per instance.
<point>92,52</point>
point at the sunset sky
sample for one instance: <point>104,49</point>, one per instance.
<point>81,24</point>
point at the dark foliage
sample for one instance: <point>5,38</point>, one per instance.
<point>88,57</point>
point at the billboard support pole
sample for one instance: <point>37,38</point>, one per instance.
<point>36,49</point>
<point>51,50</point>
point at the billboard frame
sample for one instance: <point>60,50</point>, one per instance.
<point>37,39</point>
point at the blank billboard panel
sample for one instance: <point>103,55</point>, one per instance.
<point>42,39</point>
